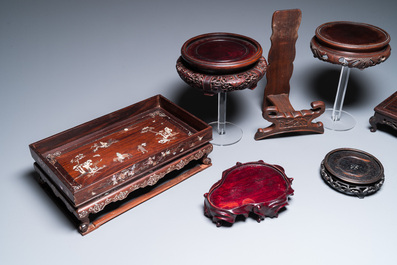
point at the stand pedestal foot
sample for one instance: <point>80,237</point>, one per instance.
<point>223,132</point>
<point>346,121</point>
<point>231,135</point>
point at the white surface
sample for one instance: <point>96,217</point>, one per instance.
<point>66,62</point>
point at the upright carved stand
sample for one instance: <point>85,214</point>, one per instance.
<point>276,105</point>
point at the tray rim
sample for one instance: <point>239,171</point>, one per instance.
<point>83,212</point>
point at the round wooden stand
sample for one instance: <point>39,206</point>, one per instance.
<point>352,172</point>
<point>351,45</point>
<point>218,63</point>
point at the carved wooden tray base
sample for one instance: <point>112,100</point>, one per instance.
<point>211,84</point>
<point>254,187</point>
<point>84,212</point>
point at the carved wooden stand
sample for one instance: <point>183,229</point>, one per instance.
<point>94,167</point>
<point>219,63</point>
<point>254,187</point>
<point>276,105</point>
<point>385,113</point>
<point>351,45</point>
<point>352,172</point>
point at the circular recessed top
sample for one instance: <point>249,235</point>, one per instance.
<point>353,166</point>
<point>221,52</point>
<point>352,36</point>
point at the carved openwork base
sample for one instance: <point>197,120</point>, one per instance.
<point>83,213</point>
<point>346,58</point>
<point>214,84</point>
<point>352,172</point>
<point>292,121</point>
<point>348,188</point>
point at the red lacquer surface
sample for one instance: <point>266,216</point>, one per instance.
<point>251,187</point>
<point>249,184</point>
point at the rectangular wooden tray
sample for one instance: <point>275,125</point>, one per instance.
<point>102,161</point>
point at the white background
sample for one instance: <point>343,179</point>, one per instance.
<point>63,63</point>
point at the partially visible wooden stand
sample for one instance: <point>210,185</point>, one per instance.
<point>276,105</point>
<point>385,113</point>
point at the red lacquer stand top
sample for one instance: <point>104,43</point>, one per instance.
<point>221,62</point>
<point>221,53</point>
<point>352,36</point>
<point>255,187</point>
<point>352,44</point>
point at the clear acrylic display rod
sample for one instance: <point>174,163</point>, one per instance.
<point>223,132</point>
<point>337,119</point>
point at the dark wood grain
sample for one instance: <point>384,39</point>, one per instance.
<point>276,107</point>
<point>285,25</point>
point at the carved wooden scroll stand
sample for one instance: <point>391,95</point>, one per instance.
<point>276,105</point>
